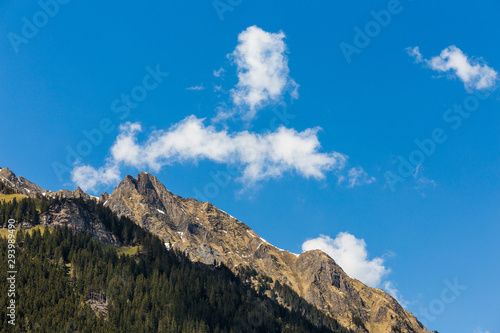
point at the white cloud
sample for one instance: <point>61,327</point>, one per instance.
<point>125,148</point>
<point>222,114</point>
<point>394,292</point>
<point>259,156</point>
<point>199,87</point>
<point>89,178</point>
<point>480,330</point>
<point>263,73</point>
<point>350,253</point>
<point>422,182</point>
<point>474,73</point>
<point>263,78</point>
<point>219,72</point>
<point>415,53</point>
<point>357,176</point>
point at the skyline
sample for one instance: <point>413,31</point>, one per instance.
<point>371,132</point>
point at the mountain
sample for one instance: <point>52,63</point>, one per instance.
<point>207,235</point>
<point>79,215</point>
<point>25,187</point>
<point>22,185</point>
<point>69,282</point>
<point>84,269</point>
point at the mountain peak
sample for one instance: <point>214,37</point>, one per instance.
<point>6,172</point>
<point>207,233</point>
<point>144,173</point>
<point>22,185</point>
<point>146,179</point>
<point>146,200</point>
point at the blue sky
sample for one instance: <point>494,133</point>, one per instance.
<point>347,116</point>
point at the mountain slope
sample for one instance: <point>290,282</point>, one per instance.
<point>68,282</point>
<point>206,234</point>
<point>22,185</point>
<point>25,187</point>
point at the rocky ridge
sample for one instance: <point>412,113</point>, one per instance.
<point>22,185</point>
<point>78,216</point>
<point>207,234</point>
<point>75,214</point>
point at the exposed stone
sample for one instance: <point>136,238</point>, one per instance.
<point>207,234</point>
<point>103,197</point>
<point>78,217</point>
<point>76,194</point>
<point>22,185</point>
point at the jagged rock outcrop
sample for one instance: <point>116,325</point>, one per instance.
<point>30,189</point>
<point>207,234</point>
<point>379,311</point>
<point>78,216</point>
<point>76,194</point>
<point>103,197</point>
<point>22,185</point>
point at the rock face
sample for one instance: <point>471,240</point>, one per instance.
<point>76,194</point>
<point>103,197</point>
<point>207,234</point>
<point>22,185</point>
<point>75,214</point>
<point>32,190</point>
<point>330,289</point>
<point>78,216</point>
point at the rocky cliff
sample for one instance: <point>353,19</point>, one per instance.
<point>207,234</point>
<point>78,215</point>
<point>22,185</point>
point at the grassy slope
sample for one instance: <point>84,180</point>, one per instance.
<point>4,232</point>
<point>126,250</point>
<point>10,197</point>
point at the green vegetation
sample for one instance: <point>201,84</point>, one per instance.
<point>26,209</point>
<point>5,189</point>
<point>123,250</point>
<point>20,207</point>
<point>68,282</point>
<point>23,210</point>
<point>128,250</point>
<point>288,297</point>
<point>42,229</point>
<point>4,232</point>
<point>10,197</point>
